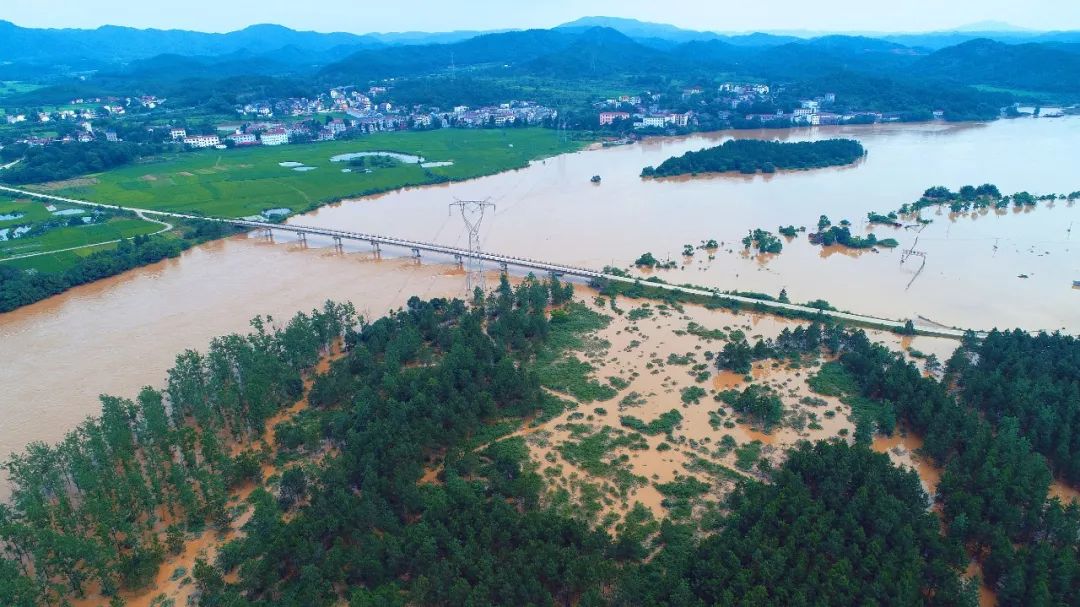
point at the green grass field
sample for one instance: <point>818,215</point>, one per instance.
<point>26,210</point>
<point>67,237</point>
<point>60,238</point>
<point>14,87</point>
<point>243,182</point>
<point>55,262</point>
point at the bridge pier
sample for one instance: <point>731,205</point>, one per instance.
<point>301,237</point>
<point>505,267</point>
<point>460,261</point>
<point>375,247</point>
<point>337,245</point>
<point>416,254</point>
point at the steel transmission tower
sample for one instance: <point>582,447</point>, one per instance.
<point>472,212</point>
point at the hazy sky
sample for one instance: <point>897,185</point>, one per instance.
<point>361,16</point>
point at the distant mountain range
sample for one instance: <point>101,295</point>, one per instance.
<point>113,45</point>
<point>265,59</point>
<point>117,45</point>
<point>597,51</point>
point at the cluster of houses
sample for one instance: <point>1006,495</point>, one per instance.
<point>84,134</point>
<point>733,100</point>
<point>87,109</point>
<point>362,118</point>
<point>366,113</point>
<point>643,115</point>
<point>359,114</point>
<point>656,120</point>
<point>340,99</point>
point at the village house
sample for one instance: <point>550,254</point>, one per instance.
<point>177,134</point>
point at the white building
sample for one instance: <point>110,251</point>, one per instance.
<point>177,134</point>
<point>653,121</point>
<point>243,139</point>
<point>275,137</point>
<point>202,141</point>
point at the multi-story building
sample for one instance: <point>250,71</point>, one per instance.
<point>243,139</point>
<point>275,137</point>
<point>607,118</point>
<point>202,141</point>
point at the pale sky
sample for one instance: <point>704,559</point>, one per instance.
<point>363,16</point>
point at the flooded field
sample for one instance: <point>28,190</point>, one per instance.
<point>652,360</point>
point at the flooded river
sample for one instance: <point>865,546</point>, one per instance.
<point>122,333</point>
<point>552,211</point>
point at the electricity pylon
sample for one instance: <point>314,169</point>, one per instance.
<point>472,212</point>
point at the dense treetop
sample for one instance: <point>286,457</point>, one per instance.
<point>838,525</point>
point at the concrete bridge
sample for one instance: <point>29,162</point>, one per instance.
<point>504,261</point>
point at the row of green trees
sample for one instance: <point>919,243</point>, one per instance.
<point>104,505</point>
<point>55,162</point>
<point>970,197</point>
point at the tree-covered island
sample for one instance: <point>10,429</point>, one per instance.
<point>750,156</point>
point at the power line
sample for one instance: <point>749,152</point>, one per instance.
<point>472,213</point>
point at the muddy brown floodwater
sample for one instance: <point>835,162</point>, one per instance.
<point>119,334</point>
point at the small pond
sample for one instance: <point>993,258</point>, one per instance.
<point>406,158</point>
<point>13,233</point>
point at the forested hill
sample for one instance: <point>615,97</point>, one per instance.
<point>752,155</point>
<point>1036,67</point>
<point>111,44</point>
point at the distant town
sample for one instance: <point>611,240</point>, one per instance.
<point>350,111</point>
<point>339,113</point>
